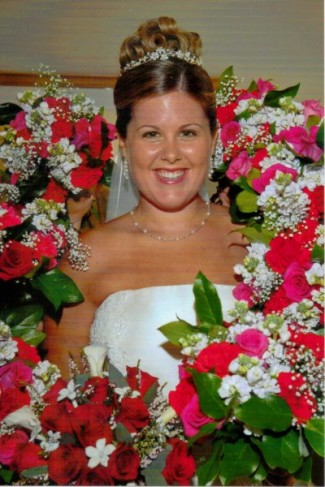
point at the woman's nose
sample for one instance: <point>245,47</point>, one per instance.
<point>170,151</point>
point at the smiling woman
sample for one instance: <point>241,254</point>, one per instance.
<point>144,263</point>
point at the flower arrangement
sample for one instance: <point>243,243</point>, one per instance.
<point>252,383</point>
<point>54,146</point>
<point>99,428</point>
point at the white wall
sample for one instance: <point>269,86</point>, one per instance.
<point>279,39</point>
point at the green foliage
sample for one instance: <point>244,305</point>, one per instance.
<point>59,288</point>
<point>239,460</point>
<point>273,97</point>
<point>272,413</point>
<point>207,302</point>
<point>23,322</point>
<point>207,386</point>
<point>314,431</point>
<point>281,451</point>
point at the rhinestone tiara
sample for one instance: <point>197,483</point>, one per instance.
<point>163,54</point>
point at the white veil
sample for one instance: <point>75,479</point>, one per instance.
<point>123,195</point>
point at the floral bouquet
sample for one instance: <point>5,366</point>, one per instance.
<point>97,429</point>
<point>55,145</point>
<point>252,383</point>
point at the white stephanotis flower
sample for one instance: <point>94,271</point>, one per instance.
<point>99,454</point>
<point>51,442</point>
<point>234,387</point>
<point>69,392</point>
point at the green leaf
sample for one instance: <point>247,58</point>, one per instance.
<point>206,430</point>
<point>254,235</point>
<point>115,376</point>
<point>314,432</point>
<point>31,336</point>
<point>57,287</point>
<point>247,201</point>
<point>239,460</point>
<point>273,97</point>
<point>122,434</point>
<point>34,472</point>
<point>152,474</point>
<point>281,451</point>
<point>6,475</point>
<point>227,73</point>
<point>272,413</point>
<point>320,136</point>
<point>304,472</point>
<point>207,301</point>
<point>175,330</point>
<point>317,254</point>
<point>210,402</point>
<point>24,316</point>
<point>151,393</point>
<point>209,470</point>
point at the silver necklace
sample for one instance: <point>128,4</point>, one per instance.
<point>171,239</point>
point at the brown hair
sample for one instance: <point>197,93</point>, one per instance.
<point>160,77</point>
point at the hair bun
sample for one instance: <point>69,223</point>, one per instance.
<point>161,32</point>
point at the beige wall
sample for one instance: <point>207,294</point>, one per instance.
<point>279,39</point>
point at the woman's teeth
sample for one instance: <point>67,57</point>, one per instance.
<point>171,175</point>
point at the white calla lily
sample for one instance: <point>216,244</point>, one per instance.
<point>25,418</point>
<point>96,356</point>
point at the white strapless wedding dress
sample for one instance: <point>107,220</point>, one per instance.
<point>127,324</point>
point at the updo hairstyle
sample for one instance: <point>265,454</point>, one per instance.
<point>160,77</point>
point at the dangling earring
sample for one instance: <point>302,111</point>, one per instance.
<point>211,165</point>
<point>125,164</point>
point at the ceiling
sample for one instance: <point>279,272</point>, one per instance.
<point>278,39</point>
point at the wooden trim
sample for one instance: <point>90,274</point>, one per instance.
<point>78,80</point>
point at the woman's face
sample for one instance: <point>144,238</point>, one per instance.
<point>168,146</point>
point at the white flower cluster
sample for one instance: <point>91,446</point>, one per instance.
<point>8,347</point>
<point>277,201</point>
<point>256,274</point>
<point>43,213</point>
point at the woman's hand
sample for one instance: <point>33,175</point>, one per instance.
<point>78,207</point>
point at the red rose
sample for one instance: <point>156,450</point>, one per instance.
<point>45,249</point>
<point>66,463</point>
<point>85,177</point>
<point>124,463</point>
<point>182,395</point>
<point>26,456</point>
<point>10,443</point>
<point>283,251</point>
<point>227,113</point>
<point>180,465</point>
<point>134,376</point>
<point>90,423</point>
<point>134,414</point>
<point>56,417</point>
<point>302,404</point>
<point>15,261</point>
<point>95,476</point>
<point>11,401</point>
<point>61,129</point>
<point>217,358</point>
<point>27,352</point>
<point>55,192</point>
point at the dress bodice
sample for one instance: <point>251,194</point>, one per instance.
<point>127,324</point>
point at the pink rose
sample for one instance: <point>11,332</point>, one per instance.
<point>230,132</point>
<point>259,184</point>
<point>243,292</point>
<point>8,216</point>
<point>193,418</point>
<point>295,283</point>
<point>302,142</point>
<point>19,122</point>
<point>253,342</point>
<point>15,374</point>
<point>9,445</point>
<point>239,166</point>
<point>264,86</point>
<point>312,107</point>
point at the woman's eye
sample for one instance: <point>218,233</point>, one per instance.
<point>150,135</point>
<point>188,133</point>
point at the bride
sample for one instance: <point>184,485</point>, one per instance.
<point>143,263</point>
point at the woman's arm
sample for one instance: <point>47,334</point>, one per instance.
<point>70,333</point>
